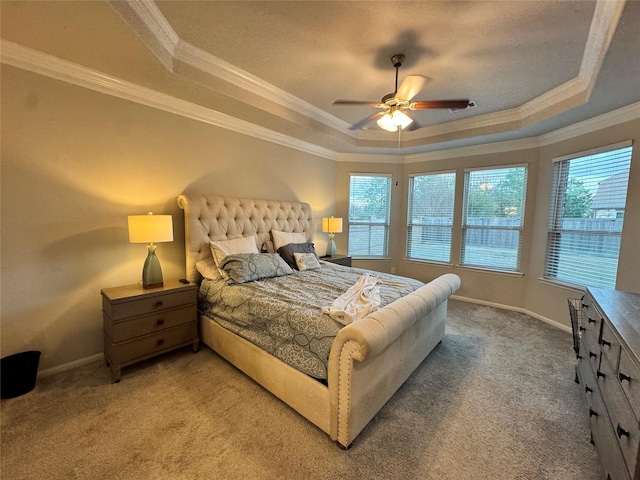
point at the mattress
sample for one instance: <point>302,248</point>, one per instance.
<point>283,316</point>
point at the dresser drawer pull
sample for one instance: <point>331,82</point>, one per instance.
<point>588,389</point>
<point>622,432</point>
<point>593,413</point>
<point>160,342</point>
<point>600,374</point>
<point>160,322</point>
<point>591,320</point>
<point>158,304</point>
<point>624,376</point>
<point>606,343</point>
<point>581,328</point>
<point>592,355</point>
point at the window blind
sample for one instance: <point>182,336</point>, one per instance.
<point>369,215</point>
<point>493,217</point>
<point>430,216</point>
<point>586,218</point>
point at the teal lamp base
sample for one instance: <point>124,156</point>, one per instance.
<point>151,272</point>
<point>331,247</point>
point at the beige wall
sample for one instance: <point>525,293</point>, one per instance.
<point>525,292</point>
<point>75,163</point>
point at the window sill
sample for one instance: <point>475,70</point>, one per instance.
<point>488,270</point>
<point>428,262</point>
<point>572,287</point>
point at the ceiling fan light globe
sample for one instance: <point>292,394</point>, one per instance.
<point>401,119</point>
<point>386,122</point>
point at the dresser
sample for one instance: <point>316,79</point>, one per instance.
<point>609,374</point>
<point>141,323</point>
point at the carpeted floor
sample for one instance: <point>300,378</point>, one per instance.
<point>495,400</point>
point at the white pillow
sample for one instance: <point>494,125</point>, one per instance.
<point>223,248</point>
<point>306,261</point>
<point>280,239</point>
<point>208,268</point>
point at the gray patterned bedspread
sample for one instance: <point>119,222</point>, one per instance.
<point>282,315</point>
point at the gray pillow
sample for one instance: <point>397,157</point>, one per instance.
<point>247,267</point>
<point>287,252</point>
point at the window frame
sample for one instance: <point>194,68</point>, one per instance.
<point>465,228</point>
<point>358,223</point>
<point>555,230</point>
<point>411,224</point>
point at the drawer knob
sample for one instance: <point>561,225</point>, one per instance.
<point>624,376</point>
<point>600,374</point>
<point>160,322</point>
<point>622,432</point>
<point>588,389</point>
<point>591,320</point>
<point>606,342</point>
<point>592,413</point>
<point>160,342</point>
<point>592,355</point>
<point>581,328</point>
<point>157,304</point>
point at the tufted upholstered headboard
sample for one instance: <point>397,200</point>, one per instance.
<point>212,217</point>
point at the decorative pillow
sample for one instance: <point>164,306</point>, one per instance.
<point>287,252</point>
<point>208,268</point>
<point>306,261</point>
<point>247,267</point>
<point>222,248</point>
<point>280,239</point>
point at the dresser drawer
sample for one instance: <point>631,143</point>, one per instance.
<point>610,346</point>
<point>629,378</point>
<point>623,420</point>
<point>586,377</point>
<point>134,307</point>
<point>139,326</point>
<point>605,440</point>
<point>150,345</point>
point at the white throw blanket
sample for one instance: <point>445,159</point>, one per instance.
<point>356,303</point>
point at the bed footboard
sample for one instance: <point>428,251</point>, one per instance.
<point>371,358</point>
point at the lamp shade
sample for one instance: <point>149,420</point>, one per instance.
<point>150,228</point>
<point>332,225</point>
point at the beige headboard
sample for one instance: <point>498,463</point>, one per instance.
<point>212,217</point>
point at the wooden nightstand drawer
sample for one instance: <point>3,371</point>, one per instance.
<point>126,352</point>
<point>135,306</point>
<point>146,324</point>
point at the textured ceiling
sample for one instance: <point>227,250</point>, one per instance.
<point>531,66</point>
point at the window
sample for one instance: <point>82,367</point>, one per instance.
<point>369,212</point>
<point>493,217</point>
<point>430,216</point>
<point>587,212</point>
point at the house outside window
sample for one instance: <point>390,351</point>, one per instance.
<point>493,218</point>
<point>369,215</point>
<point>430,216</point>
<point>587,215</point>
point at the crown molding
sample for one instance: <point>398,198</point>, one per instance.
<point>47,65</point>
<point>569,95</point>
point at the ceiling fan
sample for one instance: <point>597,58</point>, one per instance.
<point>394,105</point>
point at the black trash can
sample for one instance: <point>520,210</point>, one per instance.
<point>18,373</point>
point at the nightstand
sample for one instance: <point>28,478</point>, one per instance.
<point>141,323</point>
<point>338,259</point>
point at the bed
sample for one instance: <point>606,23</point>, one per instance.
<point>368,360</point>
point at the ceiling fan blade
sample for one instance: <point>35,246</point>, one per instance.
<point>410,87</point>
<point>365,121</point>
<point>423,105</point>
<point>356,102</point>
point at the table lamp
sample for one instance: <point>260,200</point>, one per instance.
<point>149,229</point>
<point>333,226</point>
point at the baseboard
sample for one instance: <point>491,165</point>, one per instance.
<point>537,316</point>
<point>71,365</point>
